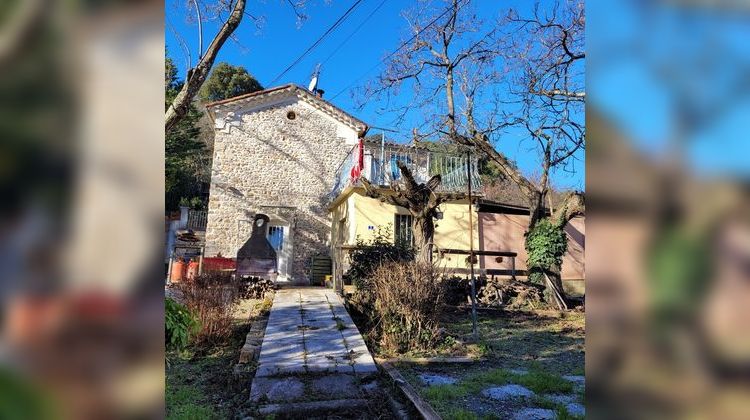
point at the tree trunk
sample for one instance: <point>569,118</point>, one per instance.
<point>556,286</point>
<point>181,103</point>
<point>423,229</point>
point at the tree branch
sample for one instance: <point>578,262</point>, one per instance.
<point>181,103</point>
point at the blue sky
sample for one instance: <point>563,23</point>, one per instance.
<point>646,62</point>
<point>266,50</point>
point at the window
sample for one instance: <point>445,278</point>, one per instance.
<point>276,237</point>
<point>402,231</point>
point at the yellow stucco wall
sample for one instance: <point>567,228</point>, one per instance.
<point>369,214</point>
<point>356,215</point>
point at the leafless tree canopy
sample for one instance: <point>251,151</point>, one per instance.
<point>474,79</point>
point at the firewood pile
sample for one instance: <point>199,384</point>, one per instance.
<point>496,292</point>
<point>255,287</point>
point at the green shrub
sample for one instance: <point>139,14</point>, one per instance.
<point>179,324</point>
<point>545,244</point>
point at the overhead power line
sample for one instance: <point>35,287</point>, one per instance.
<point>391,54</point>
<point>354,32</point>
<point>318,41</point>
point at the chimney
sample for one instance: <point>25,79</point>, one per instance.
<point>319,92</point>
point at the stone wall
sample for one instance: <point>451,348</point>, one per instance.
<point>285,168</point>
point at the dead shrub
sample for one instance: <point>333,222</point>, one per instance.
<point>212,297</point>
<point>407,298</point>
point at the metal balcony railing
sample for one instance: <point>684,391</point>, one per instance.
<point>381,167</point>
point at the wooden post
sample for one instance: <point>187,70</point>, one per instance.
<point>513,268</point>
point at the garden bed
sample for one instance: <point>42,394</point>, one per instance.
<point>201,382</point>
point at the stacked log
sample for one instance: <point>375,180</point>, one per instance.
<point>496,292</point>
<point>255,287</point>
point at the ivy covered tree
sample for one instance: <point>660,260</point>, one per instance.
<point>185,155</point>
<point>227,81</point>
<point>546,244</point>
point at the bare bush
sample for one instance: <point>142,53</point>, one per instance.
<point>408,297</point>
<point>212,297</point>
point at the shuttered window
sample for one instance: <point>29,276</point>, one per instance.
<point>402,230</point>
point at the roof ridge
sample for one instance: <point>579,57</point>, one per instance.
<point>307,96</point>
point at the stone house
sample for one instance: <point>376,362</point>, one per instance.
<point>277,152</point>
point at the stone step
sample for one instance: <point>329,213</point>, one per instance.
<point>311,388</point>
<point>312,407</point>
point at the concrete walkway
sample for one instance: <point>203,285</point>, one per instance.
<point>310,331</point>
<point>311,350</point>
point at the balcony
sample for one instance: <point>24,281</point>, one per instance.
<point>380,167</point>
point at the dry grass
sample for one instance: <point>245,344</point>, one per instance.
<point>408,297</point>
<point>212,298</point>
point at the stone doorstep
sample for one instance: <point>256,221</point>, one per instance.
<point>312,407</point>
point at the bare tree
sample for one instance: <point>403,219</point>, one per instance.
<point>421,200</point>
<point>198,74</point>
<point>515,72</point>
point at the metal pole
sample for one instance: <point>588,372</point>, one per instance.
<point>381,177</point>
<point>471,257</point>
